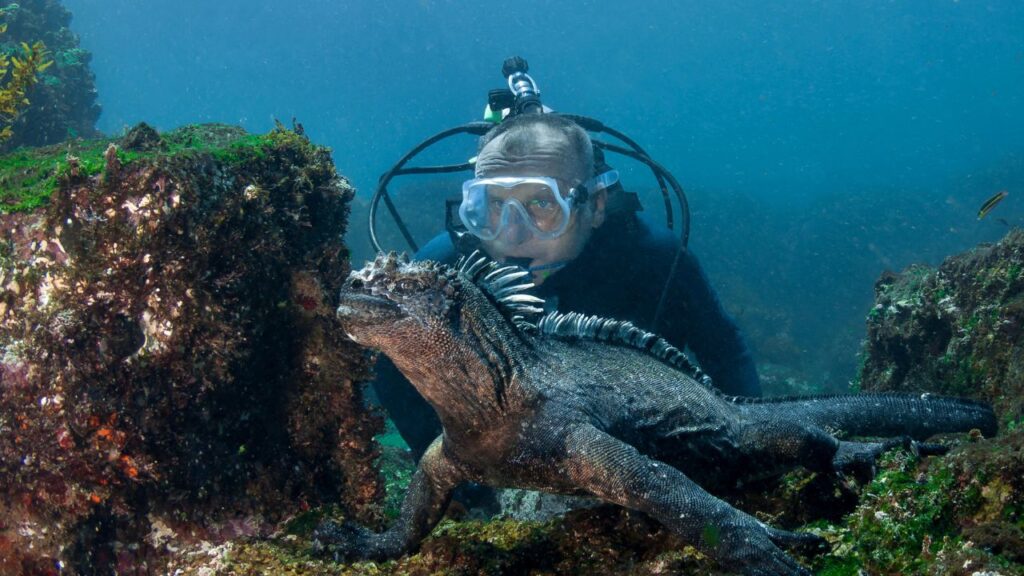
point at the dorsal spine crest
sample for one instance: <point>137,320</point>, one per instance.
<point>503,286</point>
<point>527,313</point>
<point>573,325</point>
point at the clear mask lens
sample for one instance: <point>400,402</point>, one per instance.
<point>490,206</point>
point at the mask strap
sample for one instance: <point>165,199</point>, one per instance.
<point>581,193</point>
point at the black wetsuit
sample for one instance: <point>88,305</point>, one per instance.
<point>620,274</point>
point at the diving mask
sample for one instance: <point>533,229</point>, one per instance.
<point>489,205</point>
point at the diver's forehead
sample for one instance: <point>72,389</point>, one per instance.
<point>544,155</point>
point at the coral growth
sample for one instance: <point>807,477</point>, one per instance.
<point>63,104</point>
<point>957,329</point>
<point>171,371</point>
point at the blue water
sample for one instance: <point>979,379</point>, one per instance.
<point>820,142</point>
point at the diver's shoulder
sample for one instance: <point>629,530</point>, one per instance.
<point>657,239</point>
<point>439,249</point>
<point>655,233</point>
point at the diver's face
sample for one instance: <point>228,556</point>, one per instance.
<point>548,153</point>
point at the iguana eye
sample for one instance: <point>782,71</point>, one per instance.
<point>408,285</point>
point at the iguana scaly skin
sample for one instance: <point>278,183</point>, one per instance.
<point>580,405</point>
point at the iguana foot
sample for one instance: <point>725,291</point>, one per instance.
<point>859,458</point>
<point>344,542</point>
<point>755,549</point>
<point>802,542</point>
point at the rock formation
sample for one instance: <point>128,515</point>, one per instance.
<point>171,370</point>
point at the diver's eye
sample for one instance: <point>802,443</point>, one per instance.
<point>542,204</point>
<point>408,285</point>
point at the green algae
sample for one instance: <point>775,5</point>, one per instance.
<point>912,288</point>
<point>396,467</point>
<point>503,546</point>
<point>30,176</point>
<point>27,179</point>
<point>911,518</point>
<point>454,547</point>
<point>908,511</point>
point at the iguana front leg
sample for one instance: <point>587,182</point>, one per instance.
<point>616,472</point>
<point>425,502</point>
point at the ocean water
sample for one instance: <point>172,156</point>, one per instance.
<point>820,143</point>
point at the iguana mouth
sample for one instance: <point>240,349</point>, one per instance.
<point>360,306</point>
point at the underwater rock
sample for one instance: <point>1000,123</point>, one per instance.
<point>604,541</point>
<point>142,138</point>
<point>961,514</point>
<point>959,330</point>
<point>171,372</point>
<point>956,330</point>
<point>63,103</point>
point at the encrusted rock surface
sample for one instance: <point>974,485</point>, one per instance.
<point>172,374</point>
<point>956,515</point>
<point>957,329</point>
<point>606,541</point>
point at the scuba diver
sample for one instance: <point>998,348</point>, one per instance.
<point>543,198</point>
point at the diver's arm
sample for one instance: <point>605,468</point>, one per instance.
<point>713,335</point>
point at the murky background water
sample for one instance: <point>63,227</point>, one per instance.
<point>820,142</point>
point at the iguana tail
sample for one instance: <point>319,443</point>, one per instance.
<point>879,414</point>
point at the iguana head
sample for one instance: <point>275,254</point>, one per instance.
<point>393,301</point>
<point>439,324</point>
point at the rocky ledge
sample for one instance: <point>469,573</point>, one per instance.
<point>956,329</point>
<point>171,371</point>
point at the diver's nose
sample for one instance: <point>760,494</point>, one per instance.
<point>515,230</point>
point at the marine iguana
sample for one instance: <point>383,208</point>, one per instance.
<point>572,404</point>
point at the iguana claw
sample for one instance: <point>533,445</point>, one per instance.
<point>344,541</point>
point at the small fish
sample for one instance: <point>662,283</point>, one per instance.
<point>991,203</point>
<point>1003,221</point>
